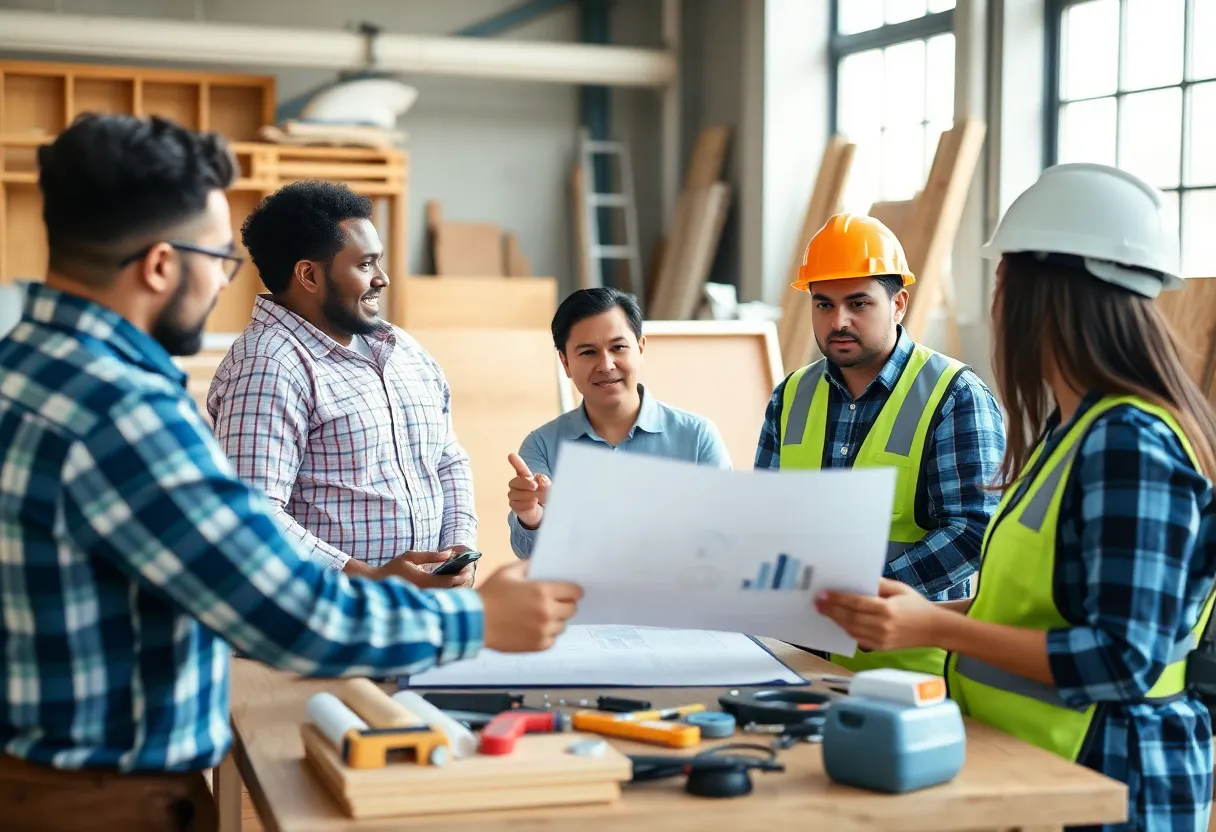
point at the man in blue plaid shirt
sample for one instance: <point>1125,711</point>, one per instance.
<point>131,556</point>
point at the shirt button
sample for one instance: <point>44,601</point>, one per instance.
<point>852,407</point>
<point>844,450</point>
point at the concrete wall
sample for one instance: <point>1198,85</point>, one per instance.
<point>492,151</point>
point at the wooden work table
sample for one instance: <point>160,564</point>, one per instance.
<point>1005,784</point>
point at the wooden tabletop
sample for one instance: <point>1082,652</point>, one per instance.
<point>1005,783</point>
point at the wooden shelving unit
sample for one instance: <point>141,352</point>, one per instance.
<point>38,100</point>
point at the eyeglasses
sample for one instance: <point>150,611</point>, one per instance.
<point>235,261</point>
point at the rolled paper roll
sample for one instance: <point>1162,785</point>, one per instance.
<point>375,706</point>
<point>332,718</point>
<point>462,740</point>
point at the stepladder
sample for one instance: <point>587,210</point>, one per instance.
<point>608,218</point>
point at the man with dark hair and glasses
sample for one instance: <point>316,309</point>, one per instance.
<point>341,418</point>
<point>132,554</point>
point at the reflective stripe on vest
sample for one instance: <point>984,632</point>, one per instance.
<point>1017,570</point>
<point>897,439</point>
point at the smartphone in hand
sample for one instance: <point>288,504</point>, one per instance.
<point>453,565</point>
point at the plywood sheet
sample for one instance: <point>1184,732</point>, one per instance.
<point>700,216</point>
<point>1191,313</point>
<point>796,335</point>
<point>897,216</point>
<point>469,249</point>
<point>22,237</point>
<point>235,304</point>
<point>708,157</point>
<point>473,302</point>
<point>494,406</point>
<point>725,371</point>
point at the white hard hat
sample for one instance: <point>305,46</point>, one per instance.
<point>1115,221</point>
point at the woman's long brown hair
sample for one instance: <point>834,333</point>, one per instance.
<point>1103,339</point>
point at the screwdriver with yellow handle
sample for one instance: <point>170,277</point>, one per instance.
<point>661,713</point>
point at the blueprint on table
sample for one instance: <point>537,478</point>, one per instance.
<point>613,656</point>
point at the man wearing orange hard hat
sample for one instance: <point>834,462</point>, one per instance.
<point>879,399</point>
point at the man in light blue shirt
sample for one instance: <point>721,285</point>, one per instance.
<point>598,336</point>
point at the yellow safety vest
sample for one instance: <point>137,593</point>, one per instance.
<point>897,439</point>
<point>1016,571</point>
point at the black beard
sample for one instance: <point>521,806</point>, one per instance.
<point>344,318</point>
<point>171,332</point>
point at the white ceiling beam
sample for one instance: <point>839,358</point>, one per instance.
<point>220,43</point>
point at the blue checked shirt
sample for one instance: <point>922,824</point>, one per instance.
<point>130,553</point>
<point>1134,564</point>
<point>964,456</point>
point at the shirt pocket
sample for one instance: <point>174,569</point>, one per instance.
<point>351,438</point>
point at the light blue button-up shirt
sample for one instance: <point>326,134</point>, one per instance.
<point>660,430</point>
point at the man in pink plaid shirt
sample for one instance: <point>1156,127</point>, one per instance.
<point>341,418</point>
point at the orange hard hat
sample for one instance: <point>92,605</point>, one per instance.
<point>852,245</point>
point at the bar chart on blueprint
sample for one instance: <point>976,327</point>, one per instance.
<point>784,573</point>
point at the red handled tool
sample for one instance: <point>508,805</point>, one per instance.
<point>500,735</point>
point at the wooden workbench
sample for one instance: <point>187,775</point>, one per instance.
<point>1005,783</point>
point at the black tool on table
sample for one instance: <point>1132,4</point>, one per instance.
<point>621,705</point>
<point>791,714</point>
<point>481,703</point>
<point>722,771</point>
<point>773,706</point>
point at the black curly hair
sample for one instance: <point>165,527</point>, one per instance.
<point>111,183</point>
<point>298,222</point>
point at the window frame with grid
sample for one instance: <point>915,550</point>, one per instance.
<point>1194,263</point>
<point>843,46</point>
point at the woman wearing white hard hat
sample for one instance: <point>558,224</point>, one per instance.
<point>1097,574</point>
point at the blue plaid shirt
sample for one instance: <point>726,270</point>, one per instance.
<point>130,553</point>
<point>964,456</point>
<point>1134,565</point>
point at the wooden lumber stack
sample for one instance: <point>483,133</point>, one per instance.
<point>794,331</point>
<point>684,260</point>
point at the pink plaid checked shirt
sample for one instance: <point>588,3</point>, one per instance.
<point>359,456</point>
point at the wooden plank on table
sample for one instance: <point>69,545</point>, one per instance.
<point>469,249</point>
<point>794,329</point>
<point>541,772</point>
<point>935,222</point>
<point>1005,783</point>
<point>708,209</point>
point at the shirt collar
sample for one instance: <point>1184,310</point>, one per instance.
<point>77,315</point>
<point>266,311</point>
<point>650,418</point>
<point>889,375</point>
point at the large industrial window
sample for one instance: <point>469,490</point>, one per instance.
<point>1135,87</point>
<point>894,92</point>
